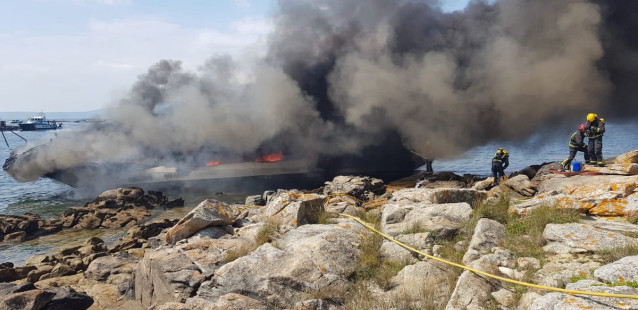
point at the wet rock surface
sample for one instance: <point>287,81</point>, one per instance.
<point>122,207</point>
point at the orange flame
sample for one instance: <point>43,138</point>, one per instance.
<point>212,163</point>
<point>271,157</point>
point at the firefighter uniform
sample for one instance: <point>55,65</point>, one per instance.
<point>576,144</point>
<point>499,164</point>
<point>594,130</point>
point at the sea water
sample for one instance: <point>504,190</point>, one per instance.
<point>550,146</point>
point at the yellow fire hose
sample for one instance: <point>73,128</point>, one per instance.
<point>547,288</point>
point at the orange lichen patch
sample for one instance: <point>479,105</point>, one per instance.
<point>565,203</point>
<point>570,301</point>
<point>611,234</point>
<point>621,304</point>
<point>585,191</point>
<point>610,207</point>
<point>568,235</point>
<point>345,226</point>
<point>591,242</point>
<point>621,279</point>
<point>582,273</point>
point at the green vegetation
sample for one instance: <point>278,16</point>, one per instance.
<point>633,234</point>
<point>633,284</point>
<point>327,218</point>
<point>449,251</point>
<point>415,228</point>
<point>359,297</point>
<point>609,256</point>
<point>578,277</point>
<point>523,237</point>
<point>525,233</point>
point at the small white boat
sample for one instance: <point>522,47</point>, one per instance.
<point>38,122</point>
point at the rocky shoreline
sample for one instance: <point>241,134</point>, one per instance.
<point>289,249</point>
<point>117,208</point>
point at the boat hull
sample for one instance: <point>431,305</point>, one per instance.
<point>245,177</point>
<point>34,127</point>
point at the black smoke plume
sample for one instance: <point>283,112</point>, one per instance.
<point>374,79</point>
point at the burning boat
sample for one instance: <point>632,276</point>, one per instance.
<point>218,171</point>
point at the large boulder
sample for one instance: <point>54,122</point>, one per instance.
<point>67,298</point>
<point>591,185</point>
<point>391,251</point>
<point>293,209</point>
<point>27,296</point>
<point>472,290</point>
<point>437,195</point>
<point>568,301</point>
<point>356,186</point>
<point>33,299</point>
<point>582,238</point>
<point>488,234</point>
<point>416,281</point>
<point>559,272</point>
<point>208,213</point>
<point>595,195</point>
<point>625,164</point>
<point>137,235</point>
<point>173,274</point>
<point>623,270</point>
<point>520,185</point>
<point>101,268</point>
<point>228,301</point>
<point>308,259</point>
<point>441,219</point>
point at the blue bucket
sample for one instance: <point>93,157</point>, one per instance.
<point>575,166</point>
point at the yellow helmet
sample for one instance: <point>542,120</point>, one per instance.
<point>591,117</point>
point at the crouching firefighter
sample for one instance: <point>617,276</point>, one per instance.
<point>594,130</point>
<point>576,144</point>
<point>499,164</point>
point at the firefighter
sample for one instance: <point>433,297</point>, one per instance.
<point>594,130</point>
<point>576,144</point>
<point>499,164</point>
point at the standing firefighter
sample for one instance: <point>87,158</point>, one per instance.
<point>499,163</point>
<point>576,144</point>
<point>594,130</point>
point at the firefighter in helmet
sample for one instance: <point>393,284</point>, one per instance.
<point>594,130</point>
<point>499,164</point>
<point>576,144</point>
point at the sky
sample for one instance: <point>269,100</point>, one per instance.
<point>80,55</point>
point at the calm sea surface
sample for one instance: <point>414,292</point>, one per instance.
<point>49,198</point>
